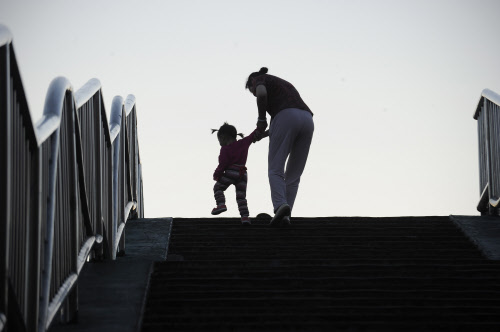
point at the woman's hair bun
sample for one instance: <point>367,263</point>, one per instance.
<point>262,71</point>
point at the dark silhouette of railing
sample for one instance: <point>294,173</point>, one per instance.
<point>67,186</point>
<point>487,115</point>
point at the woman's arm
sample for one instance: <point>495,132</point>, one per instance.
<point>261,94</point>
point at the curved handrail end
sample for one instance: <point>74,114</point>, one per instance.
<point>119,232</point>
<point>58,299</point>
<point>482,206</point>
<point>121,227</point>
<point>3,321</point>
<point>5,35</point>
<point>84,253</point>
<point>494,201</point>
<point>130,206</point>
<point>53,107</point>
<point>98,238</point>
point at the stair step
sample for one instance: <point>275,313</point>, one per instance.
<point>323,274</point>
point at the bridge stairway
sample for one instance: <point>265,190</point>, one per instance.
<point>373,274</point>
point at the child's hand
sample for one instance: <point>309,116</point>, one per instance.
<point>257,136</point>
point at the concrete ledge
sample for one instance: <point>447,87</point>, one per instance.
<point>111,293</point>
<point>484,231</point>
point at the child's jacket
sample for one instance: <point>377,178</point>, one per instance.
<point>233,154</point>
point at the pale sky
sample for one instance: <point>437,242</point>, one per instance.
<point>393,86</point>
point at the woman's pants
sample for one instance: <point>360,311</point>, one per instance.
<point>290,136</point>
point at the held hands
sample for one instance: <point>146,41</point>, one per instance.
<point>262,124</point>
<point>260,135</point>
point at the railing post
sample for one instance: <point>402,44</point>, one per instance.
<point>487,142</point>
<point>98,155</point>
<point>71,302</point>
<point>125,174</point>
<point>5,179</point>
<point>116,199</point>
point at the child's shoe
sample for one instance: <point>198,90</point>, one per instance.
<point>219,209</point>
<point>245,221</point>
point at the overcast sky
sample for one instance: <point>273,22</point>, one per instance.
<point>393,86</point>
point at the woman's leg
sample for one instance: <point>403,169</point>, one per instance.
<point>298,157</point>
<point>281,138</point>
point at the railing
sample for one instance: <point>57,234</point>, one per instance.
<point>487,115</point>
<point>67,186</point>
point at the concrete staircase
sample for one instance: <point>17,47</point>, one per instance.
<point>323,274</point>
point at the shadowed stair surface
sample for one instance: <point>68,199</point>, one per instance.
<point>323,274</point>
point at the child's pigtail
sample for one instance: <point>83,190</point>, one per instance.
<point>214,130</point>
<point>241,135</point>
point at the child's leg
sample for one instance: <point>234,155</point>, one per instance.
<point>228,178</point>
<point>241,195</point>
<point>219,189</point>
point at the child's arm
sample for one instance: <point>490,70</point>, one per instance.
<point>223,164</point>
<point>218,172</point>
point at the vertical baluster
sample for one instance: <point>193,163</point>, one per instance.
<point>487,149</point>
<point>5,178</point>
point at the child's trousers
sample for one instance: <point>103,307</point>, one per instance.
<point>236,175</point>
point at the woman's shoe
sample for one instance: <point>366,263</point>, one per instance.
<point>285,221</point>
<point>282,211</point>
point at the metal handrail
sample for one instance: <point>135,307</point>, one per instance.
<point>56,187</point>
<point>487,114</point>
<point>489,95</point>
<point>87,91</point>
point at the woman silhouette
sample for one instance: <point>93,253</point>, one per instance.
<point>290,135</point>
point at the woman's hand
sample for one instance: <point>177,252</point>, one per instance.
<point>262,124</point>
